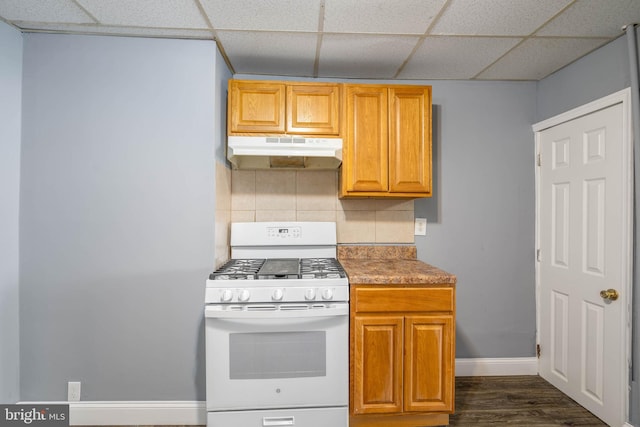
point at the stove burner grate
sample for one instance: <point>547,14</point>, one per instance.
<point>271,269</point>
<point>320,268</point>
<point>238,269</point>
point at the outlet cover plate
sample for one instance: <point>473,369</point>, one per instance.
<point>73,391</point>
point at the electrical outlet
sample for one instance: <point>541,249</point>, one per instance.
<point>420,228</point>
<point>73,391</point>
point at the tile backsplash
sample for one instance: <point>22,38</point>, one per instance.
<point>223,213</point>
<point>288,195</point>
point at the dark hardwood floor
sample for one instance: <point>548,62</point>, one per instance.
<point>516,401</point>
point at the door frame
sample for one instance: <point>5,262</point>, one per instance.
<point>621,97</point>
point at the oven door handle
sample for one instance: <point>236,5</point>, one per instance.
<point>213,312</point>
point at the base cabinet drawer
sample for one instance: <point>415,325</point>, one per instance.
<point>404,300</point>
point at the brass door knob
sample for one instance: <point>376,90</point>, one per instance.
<point>610,294</point>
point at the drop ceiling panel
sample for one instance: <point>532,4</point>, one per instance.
<point>496,17</point>
<point>263,15</point>
<point>43,11</point>
<point>594,19</point>
<point>146,13</point>
<point>455,57</point>
<point>253,52</point>
<point>363,56</point>
<point>380,16</point>
<point>550,55</point>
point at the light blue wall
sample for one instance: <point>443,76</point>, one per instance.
<point>10,122</point>
<point>117,208</point>
<point>601,73</point>
<point>482,215</point>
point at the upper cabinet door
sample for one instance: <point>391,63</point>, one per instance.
<point>366,158</point>
<point>410,139</point>
<point>256,107</point>
<point>313,109</point>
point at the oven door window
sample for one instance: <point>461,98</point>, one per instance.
<point>264,355</point>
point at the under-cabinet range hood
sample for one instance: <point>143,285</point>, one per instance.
<point>273,152</point>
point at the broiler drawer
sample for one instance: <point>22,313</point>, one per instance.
<point>399,299</point>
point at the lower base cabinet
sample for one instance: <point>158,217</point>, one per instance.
<point>402,355</point>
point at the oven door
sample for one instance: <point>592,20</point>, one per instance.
<point>277,356</point>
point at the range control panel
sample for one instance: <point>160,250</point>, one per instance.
<point>295,233</point>
<point>284,233</point>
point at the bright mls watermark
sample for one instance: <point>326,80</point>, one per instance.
<point>34,415</point>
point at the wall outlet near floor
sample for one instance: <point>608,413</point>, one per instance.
<point>73,391</point>
<point>420,227</point>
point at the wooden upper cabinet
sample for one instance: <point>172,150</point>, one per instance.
<point>277,108</point>
<point>387,147</point>
<point>313,109</point>
<point>256,107</point>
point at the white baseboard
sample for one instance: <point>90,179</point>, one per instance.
<point>134,412</point>
<point>501,366</point>
<point>138,413</point>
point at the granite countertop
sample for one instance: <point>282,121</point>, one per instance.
<point>390,265</point>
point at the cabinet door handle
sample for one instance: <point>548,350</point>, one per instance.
<point>278,421</point>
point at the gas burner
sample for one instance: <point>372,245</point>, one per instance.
<point>321,268</point>
<point>238,269</point>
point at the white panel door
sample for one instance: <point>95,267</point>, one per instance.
<point>582,252</point>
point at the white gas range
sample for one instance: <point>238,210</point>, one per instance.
<point>276,325</point>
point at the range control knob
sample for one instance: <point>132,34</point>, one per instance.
<point>327,293</point>
<point>244,295</point>
<point>226,295</point>
<point>277,295</point>
<point>310,294</point>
